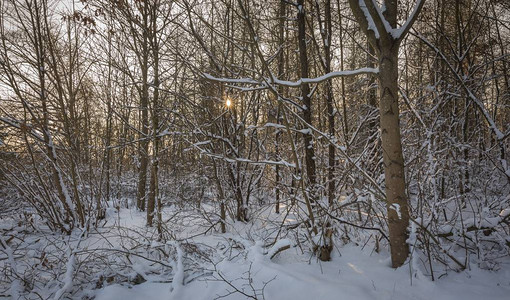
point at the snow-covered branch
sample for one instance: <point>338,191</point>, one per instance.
<point>293,84</point>
<point>371,18</point>
<point>401,32</point>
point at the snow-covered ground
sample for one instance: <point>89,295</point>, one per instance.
<point>242,265</point>
<point>124,260</point>
<point>354,275</point>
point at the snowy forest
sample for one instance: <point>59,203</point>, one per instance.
<point>263,149</point>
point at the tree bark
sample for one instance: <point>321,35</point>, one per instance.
<point>387,47</point>
<point>396,199</point>
<point>330,104</point>
<point>144,99</point>
<point>307,103</point>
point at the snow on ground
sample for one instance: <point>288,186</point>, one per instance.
<point>353,273</point>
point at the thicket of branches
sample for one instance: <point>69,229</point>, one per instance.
<point>241,105</point>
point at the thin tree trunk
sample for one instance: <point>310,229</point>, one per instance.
<point>307,103</point>
<point>330,105</point>
<point>144,142</point>
<point>153,199</point>
<point>282,14</point>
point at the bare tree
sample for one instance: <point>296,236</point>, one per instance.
<point>383,34</point>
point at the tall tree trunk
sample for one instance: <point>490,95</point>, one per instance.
<point>396,198</point>
<point>281,64</point>
<point>143,136</point>
<point>153,198</point>
<point>387,47</point>
<point>330,104</point>
<point>307,103</point>
<point>397,204</point>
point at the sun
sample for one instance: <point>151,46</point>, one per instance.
<point>228,103</point>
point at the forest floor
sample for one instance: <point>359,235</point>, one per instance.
<point>123,260</point>
<point>238,263</point>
